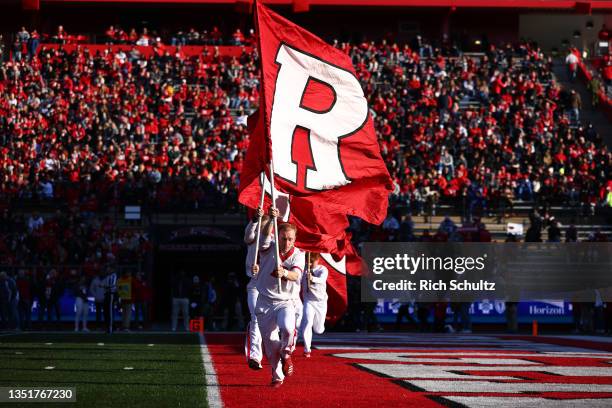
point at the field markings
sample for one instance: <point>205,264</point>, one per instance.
<point>526,402</point>
<point>213,395</point>
<point>456,371</point>
<point>505,387</point>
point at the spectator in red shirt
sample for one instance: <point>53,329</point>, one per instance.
<point>142,300</point>
<point>24,288</point>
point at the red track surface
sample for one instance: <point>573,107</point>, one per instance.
<point>321,378</point>
<point>326,380</point>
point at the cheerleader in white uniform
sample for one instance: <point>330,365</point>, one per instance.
<point>314,289</point>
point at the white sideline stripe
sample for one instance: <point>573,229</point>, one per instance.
<point>461,350</point>
<point>432,341</point>
<point>349,347</point>
<point>469,353</point>
<point>213,395</point>
<point>405,358</point>
<point>513,387</point>
<point>513,402</point>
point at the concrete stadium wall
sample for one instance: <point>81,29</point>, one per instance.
<point>549,30</point>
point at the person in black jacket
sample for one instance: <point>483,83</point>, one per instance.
<point>54,289</point>
<point>110,298</point>
<point>81,290</point>
<point>445,102</point>
<point>196,298</point>
<point>8,291</point>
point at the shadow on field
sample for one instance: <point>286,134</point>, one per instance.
<point>116,338</point>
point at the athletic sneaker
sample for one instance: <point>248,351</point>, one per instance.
<point>254,364</point>
<point>276,383</point>
<point>287,366</point>
<point>307,354</point>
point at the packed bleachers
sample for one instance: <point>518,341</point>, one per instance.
<point>115,124</point>
<point>168,131</point>
<point>26,42</point>
<point>87,130</point>
<point>72,238</point>
<point>481,131</point>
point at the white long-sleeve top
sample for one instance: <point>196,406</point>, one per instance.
<point>250,233</point>
<point>267,285</point>
<point>96,288</point>
<point>318,286</point>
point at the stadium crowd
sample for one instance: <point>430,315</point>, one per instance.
<point>98,131</point>
<point>220,303</point>
<point>95,131</point>
<point>46,255</point>
<point>25,43</point>
<point>481,132</point>
<point>45,290</point>
<point>168,131</point>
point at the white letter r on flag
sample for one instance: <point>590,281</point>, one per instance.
<point>348,113</point>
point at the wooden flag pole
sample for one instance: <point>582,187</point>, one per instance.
<point>272,192</point>
<point>308,270</point>
<point>257,238</point>
<point>267,133</point>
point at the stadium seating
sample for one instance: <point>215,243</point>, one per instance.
<point>166,130</point>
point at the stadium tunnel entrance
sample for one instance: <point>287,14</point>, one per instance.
<point>211,253</point>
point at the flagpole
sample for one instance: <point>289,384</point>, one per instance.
<point>308,270</point>
<point>267,133</point>
<point>259,218</point>
<point>273,193</point>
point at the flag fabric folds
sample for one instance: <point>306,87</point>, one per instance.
<point>314,123</point>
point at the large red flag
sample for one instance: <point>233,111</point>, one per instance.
<point>255,161</point>
<point>337,298</point>
<point>316,124</point>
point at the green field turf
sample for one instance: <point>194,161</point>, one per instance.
<point>166,369</point>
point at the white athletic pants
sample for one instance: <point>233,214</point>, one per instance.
<point>313,320</point>
<point>276,321</point>
<point>253,346</point>
<point>299,312</point>
<point>82,310</point>
<point>181,304</point>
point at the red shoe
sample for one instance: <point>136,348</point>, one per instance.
<point>306,354</point>
<point>254,364</point>
<point>287,366</point>
<point>276,383</point>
